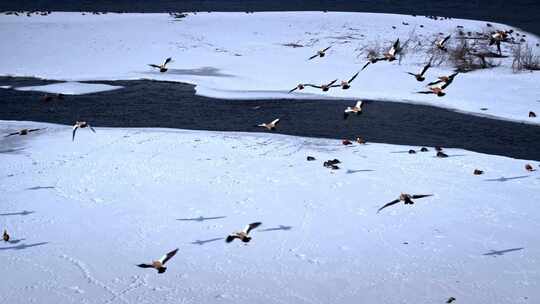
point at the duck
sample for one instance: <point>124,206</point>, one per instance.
<point>346,142</point>
<point>324,87</point>
<point>440,43</point>
<point>441,154</point>
<point>82,125</point>
<point>532,114</point>
<point>301,86</point>
<point>310,158</point>
<point>411,151</point>
<point>270,126</point>
<point>420,77</point>
<point>360,140</point>
<point>529,168</point>
<point>5,236</point>
<point>478,172</point>
<point>393,52</point>
<point>244,234</point>
<point>447,80</point>
<point>320,53</point>
<point>357,109</point>
<point>497,37</point>
<point>433,90</point>
<point>372,60</point>
<point>407,199</point>
<point>159,265</point>
<point>346,84</point>
<point>162,67</point>
<point>23,132</point>
<point>424,149</point>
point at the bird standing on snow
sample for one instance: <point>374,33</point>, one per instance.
<point>405,198</point>
<point>270,126</point>
<point>5,237</point>
<point>420,77</point>
<point>162,67</point>
<point>357,109</point>
<point>440,43</point>
<point>529,168</point>
<point>346,84</point>
<point>82,125</point>
<point>244,234</point>
<point>159,264</point>
<point>532,114</point>
<point>320,53</point>
<point>22,132</point>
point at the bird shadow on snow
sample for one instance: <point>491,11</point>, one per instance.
<point>204,71</point>
<point>17,241</point>
<point>278,228</point>
<point>505,179</point>
<point>202,242</point>
<point>349,171</point>
<point>24,212</point>
<point>201,219</point>
<point>40,187</point>
<point>23,246</point>
<point>502,252</point>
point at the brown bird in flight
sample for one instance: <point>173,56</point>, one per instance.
<point>22,132</point>
<point>82,125</point>
<point>320,53</point>
<point>405,198</point>
<point>159,265</point>
<point>244,234</point>
<point>162,67</point>
<point>420,77</point>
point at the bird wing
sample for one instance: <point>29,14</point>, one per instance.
<point>445,39</point>
<point>345,114</point>
<point>413,74</point>
<point>231,238</point>
<point>293,90</point>
<point>434,82</point>
<point>425,92</point>
<point>421,195</point>
<point>275,121</point>
<point>365,65</point>
<point>326,49</point>
<point>75,127</point>
<point>145,266</point>
<point>354,76</point>
<point>395,48</point>
<point>445,85</point>
<point>91,128</point>
<point>154,65</point>
<point>359,104</point>
<point>314,56</point>
<point>33,130</point>
<point>426,67</point>
<point>168,256</point>
<point>388,205</point>
<point>11,134</point>
<point>332,82</point>
<point>251,227</point>
<point>167,61</point>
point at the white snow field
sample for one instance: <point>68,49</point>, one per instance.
<point>239,55</point>
<point>71,88</point>
<point>100,205</point>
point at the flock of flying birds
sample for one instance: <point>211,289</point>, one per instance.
<point>436,87</point>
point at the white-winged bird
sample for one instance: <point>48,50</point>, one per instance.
<point>82,125</point>
<point>346,84</point>
<point>357,109</point>
<point>420,77</point>
<point>244,234</point>
<point>320,53</point>
<point>162,67</point>
<point>159,265</point>
<point>440,43</point>
<point>270,126</point>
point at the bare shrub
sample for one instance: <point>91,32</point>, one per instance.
<point>469,55</point>
<point>524,58</point>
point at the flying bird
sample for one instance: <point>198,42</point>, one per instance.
<point>22,132</point>
<point>447,80</point>
<point>440,43</point>
<point>5,237</point>
<point>433,90</point>
<point>159,265</point>
<point>270,126</point>
<point>420,77</point>
<point>405,198</point>
<point>320,53</point>
<point>325,87</point>
<point>82,125</point>
<point>162,67</point>
<point>393,52</point>
<point>244,234</point>
<point>301,86</point>
<point>372,60</point>
<point>346,84</point>
<point>357,109</point>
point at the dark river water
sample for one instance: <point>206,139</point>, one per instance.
<point>521,13</point>
<point>146,103</point>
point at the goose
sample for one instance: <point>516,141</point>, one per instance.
<point>405,198</point>
<point>244,234</point>
<point>433,90</point>
<point>162,67</point>
<point>82,125</point>
<point>478,172</point>
<point>346,142</point>
<point>360,140</point>
<point>446,79</point>
<point>441,154</point>
<point>301,86</point>
<point>324,87</point>
<point>394,50</point>
<point>532,114</point>
<point>529,168</point>
<point>23,132</point>
<point>346,84</point>
<point>5,237</point>
<point>159,265</point>
<point>440,43</point>
<point>357,109</point>
<point>270,126</point>
<point>497,37</point>
<point>420,77</point>
<point>320,53</point>
<point>372,60</point>
<point>424,149</point>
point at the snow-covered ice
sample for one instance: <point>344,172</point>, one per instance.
<point>111,200</point>
<point>71,88</point>
<point>239,55</point>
